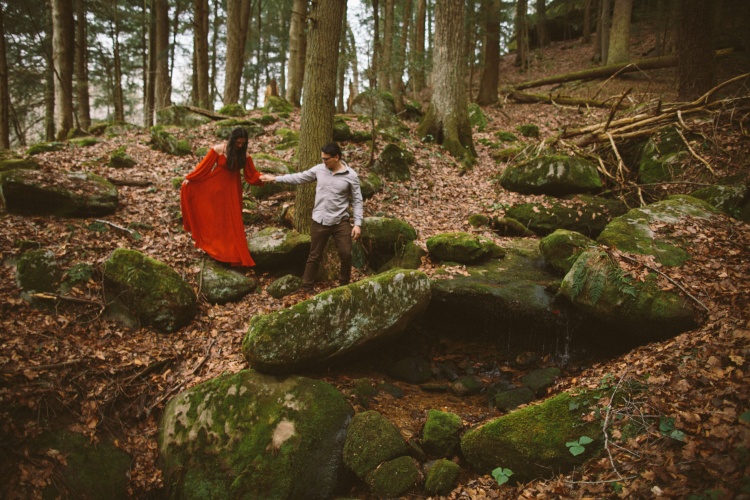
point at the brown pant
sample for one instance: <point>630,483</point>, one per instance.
<point>342,237</point>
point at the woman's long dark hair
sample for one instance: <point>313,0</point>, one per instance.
<point>236,157</point>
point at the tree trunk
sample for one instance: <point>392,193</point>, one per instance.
<point>148,112</point>
<point>447,118</point>
<point>316,121</point>
<point>354,84</point>
<point>49,81</point>
<point>619,34</point>
<point>418,61</point>
<point>586,38</point>
<point>541,23</point>
<point>491,68</point>
<point>63,46</point>
<point>603,28</point>
<point>81,66</point>
<point>163,84</point>
<point>386,55</point>
<point>214,55</point>
<point>522,35</point>
<point>4,93</point>
<point>200,52</point>
<point>376,48</point>
<point>400,63</point>
<point>238,18</point>
<point>695,54</point>
<point>119,103</point>
<point>344,51</point>
<point>296,65</point>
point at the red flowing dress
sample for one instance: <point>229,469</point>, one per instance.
<point>211,204</point>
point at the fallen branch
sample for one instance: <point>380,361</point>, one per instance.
<point>129,231</point>
<point>696,155</point>
<point>132,182</point>
<point>205,358</point>
<point>53,296</point>
<point>52,366</point>
<point>525,98</point>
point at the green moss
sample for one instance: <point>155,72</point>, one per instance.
<point>164,141</point>
<point>507,154</point>
<point>477,117</point>
<point>585,214</point>
<point>17,163</point>
<point>276,104</point>
<point>562,248</point>
<point>555,175</point>
<point>506,136</point>
<point>341,130</point>
<point>38,271</point>
<point>441,477</point>
<point>408,257</point>
<point>479,220</point>
<point>394,478</point>
<point>371,440</point>
<point>440,435</point>
<point>370,185</point>
<point>463,247</point>
<point>120,159</point>
<point>528,130</point>
<point>84,142</point>
<point>728,199</point>
<point>44,147</point>
<point>289,138</point>
<point>232,110</point>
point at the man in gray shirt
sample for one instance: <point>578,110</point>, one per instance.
<point>337,183</point>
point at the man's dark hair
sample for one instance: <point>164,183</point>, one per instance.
<point>332,149</point>
<point>236,157</point>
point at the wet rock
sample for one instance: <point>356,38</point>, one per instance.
<point>38,271</point>
<point>733,200</point>
<point>394,478</point>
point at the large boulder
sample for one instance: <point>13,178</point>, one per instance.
<point>336,322</point>
<point>17,163</point>
<point>182,116</point>
<point>63,194</point>
<point>733,200</point>
<point>532,441</point>
<point>555,175</point>
<point>249,435</point>
<point>279,250</point>
<point>153,291</point>
<point>585,214</point>
<point>38,271</point>
<point>393,163</point>
<point>441,433</point>
<point>379,105</point>
<point>370,441</point>
<point>561,249</point>
<point>463,248</point>
<point>165,141</point>
<point>252,127</point>
<point>384,238</point>
<point>663,157</point>
<point>222,285</point>
<point>636,231</point>
<point>640,310</point>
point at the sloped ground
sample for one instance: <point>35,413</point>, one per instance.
<point>70,365</point>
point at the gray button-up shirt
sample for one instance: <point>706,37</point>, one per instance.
<point>332,193</point>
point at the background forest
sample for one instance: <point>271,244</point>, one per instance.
<point>464,79</point>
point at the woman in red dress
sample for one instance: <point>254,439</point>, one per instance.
<point>211,201</point>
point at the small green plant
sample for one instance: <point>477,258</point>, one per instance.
<point>502,475</point>
<point>745,417</point>
<point>667,428</point>
<point>577,447</point>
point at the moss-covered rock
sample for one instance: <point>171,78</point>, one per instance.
<point>506,136</point>
<point>84,142</point>
<point>379,104</point>
<point>89,470</point>
<point>733,200</point>
<point>467,385</point>
<point>232,109</point>
<point>508,226</point>
<point>508,154</point>
<point>288,138</point>
<point>63,194</point>
<point>509,399</point>
<point>463,247</point>
<point>38,271</point>
<point>441,433</point>
<point>441,477</point>
<point>409,257</point>
<point>279,250</point>
<point>384,238</point>
<point>77,275</point>
<point>532,441</point>
<point>284,286</point>
<point>181,116</point>
<point>555,175</point>
<point>17,163</point>
<point>393,163</point>
<point>585,214</point>
<point>341,130</point>
<point>539,380</point>
<point>150,289</point>
<point>45,147</point>
<point>249,435</point>
<point>252,127</point>
<point>121,159</point>
<point>641,310</point>
<point>561,248</point>
<point>336,322</point>
<point>662,157</point>
<point>479,220</point>
<point>394,478</point>
<point>635,231</point>
<point>370,185</point>
<point>477,117</point>
<point>411,369</point>
<point>221,285</point>
<point>276,104</point>
<point>163,140</point>
<point>371,439</point>
<point>528,130</point>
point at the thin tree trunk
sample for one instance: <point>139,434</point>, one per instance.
<point>296,64</point>
<point>522,35</point>
<point>418,65</point>
<point>491,69</point>
<point>619,34</point>
<point>316,122</point>
<point>541,23</point>
<point>144,57</point>
<point>354,65</point>
<point>386,55</point>
<point>81,66</point>
<point>376,48</point>
<point>238,18</point>
<point>118,98</point>
<point>63,43</point>
<point>175,32</point>
<point>343,63</point>
<point>695,54</point>
<point>604,25</point>
<point>200,52</point>
<point>586,38</point>
<point>148,115</point>
<point>4,93</point>
<point>49,81</point>
<point>163,88</point>
<point>214,55</point>
<point>400,63</point>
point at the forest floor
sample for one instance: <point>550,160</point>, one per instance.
<point>69,365</point>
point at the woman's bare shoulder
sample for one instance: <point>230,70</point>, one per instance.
<point>219,148</point>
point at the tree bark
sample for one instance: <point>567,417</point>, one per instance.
<point>541,23</point>
<point>163,84</point>
<point>238,18</point>
<point>119,103</point>
<point>63,44</point>
<point>376,46</point>
<point>296,67</point>
<point>418,61</point>
<point>491,70</point>
<point>447,118</point>
<point>316,121</point>
<point>522,35</point>
<point>695,60</point>
<point>344,51</point>
<point>200,51</point>
<point>148,112</point>
<point>603,31</point>
<point>619,33</point>
<point>81,66</point>
<point>386,54</point>
<point>49,81</point>
<point>4,93</point>
<point>400,62</point>
<point>586,37</point>
<point>214,54</point>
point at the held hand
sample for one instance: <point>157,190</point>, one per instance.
<point>184,183</point>
<point>356,232</point>
<point>267,178</point>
